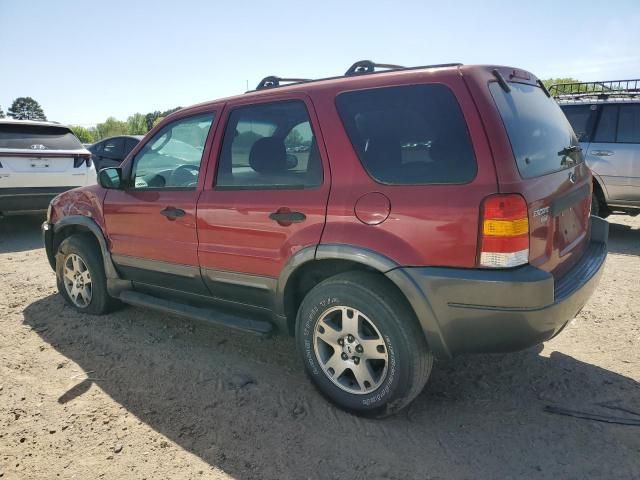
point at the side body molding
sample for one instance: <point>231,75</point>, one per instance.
<point>420,304</point>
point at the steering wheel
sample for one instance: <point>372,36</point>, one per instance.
<point>184,176</point>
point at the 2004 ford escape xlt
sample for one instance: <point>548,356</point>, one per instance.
<point>385,218</point>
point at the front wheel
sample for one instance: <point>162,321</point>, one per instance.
<point>362,345</point>
<point>80,275</point>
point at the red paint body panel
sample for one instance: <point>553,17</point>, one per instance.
<point>85,201</point>
<point>234,228</point>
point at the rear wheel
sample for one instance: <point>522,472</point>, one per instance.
<point>80,275</point>
<point>361,344</point>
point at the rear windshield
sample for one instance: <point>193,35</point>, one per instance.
<point>409,135</point>
<point>540,135</point>
<point>35,137</point>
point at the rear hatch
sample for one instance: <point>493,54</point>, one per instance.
<point>553,177</point>
<point>34,155</point>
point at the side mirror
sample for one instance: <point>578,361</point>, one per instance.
<point>110,178</point>
<point>292,161</point>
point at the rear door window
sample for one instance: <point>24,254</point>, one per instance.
<point>409,135</point>
<point>606,131</point>
<point>540,134</point>
<point>628,124</point>
<point>113,148</point>
<point>581,118</point>
<point>38,137</point>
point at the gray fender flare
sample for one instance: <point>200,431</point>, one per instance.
<point>416,298</point>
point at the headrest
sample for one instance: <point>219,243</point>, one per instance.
<point>268,155</point>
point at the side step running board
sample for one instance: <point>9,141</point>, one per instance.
<point>207,315</point>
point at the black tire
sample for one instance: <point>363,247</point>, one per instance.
<point>409,359</point>
<point>85,247</point>
<point>598,205</point>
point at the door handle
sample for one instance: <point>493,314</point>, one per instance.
<point>287,218</point>
<point>172,213</point>
<point>602,153</point>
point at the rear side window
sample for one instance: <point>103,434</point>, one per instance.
<point>629,124</point>
<point>581,118</point>
<point>606,131</point>
<point>38,137</point>
<point>411,135</point>
<point>540,134</point>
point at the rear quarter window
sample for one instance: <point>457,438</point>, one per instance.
<point>539,132</point>
<point>409,135</point>
<point>38,136</point>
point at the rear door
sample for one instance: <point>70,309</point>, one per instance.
<point>554,179</point>
<point>268,198</point>
<point>614,153</point>
<point>152,223</point>
<point>33,156</point>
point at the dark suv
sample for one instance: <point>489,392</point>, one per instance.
<point>384,217</point>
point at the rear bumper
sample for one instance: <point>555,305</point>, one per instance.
<point>27,199</point>
<point>503,310</point>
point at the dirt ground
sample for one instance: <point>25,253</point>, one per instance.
<point>138,394</point>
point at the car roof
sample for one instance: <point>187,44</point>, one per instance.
<point>42,123</point>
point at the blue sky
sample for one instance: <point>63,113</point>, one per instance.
<point>86,60</point>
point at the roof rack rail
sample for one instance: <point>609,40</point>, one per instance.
<point>359,68</point>
<point>602,89</point>
<point>367,66</point>
<point>273,81</point>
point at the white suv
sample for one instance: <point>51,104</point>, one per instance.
<point>39,160</point>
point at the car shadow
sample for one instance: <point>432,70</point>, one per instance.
<point>242,404</point>
<point>623,239</point>
<point>20,233</point>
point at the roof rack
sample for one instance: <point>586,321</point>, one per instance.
<point>361,67</point>
<point>602,89</point>
<point>367,66</point>
<point>273,81</point>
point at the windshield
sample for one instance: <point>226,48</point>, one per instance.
<point>37,137</point>
<point>541,137</point>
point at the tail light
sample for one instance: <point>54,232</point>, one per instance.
<point>78,161</point>
<point>504,232</point>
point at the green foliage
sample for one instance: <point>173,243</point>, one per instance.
<point>136,124</point>
<point>112,127</point>
<point>294,139</point>
<point>152,117</point>
<point>550,81</point>
<point>157,121</point>
<point>85,135</point>
<point>26,108</point>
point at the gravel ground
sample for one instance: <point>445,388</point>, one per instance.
<point>137,394</point>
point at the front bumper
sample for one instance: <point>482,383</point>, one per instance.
<point>504,310</point>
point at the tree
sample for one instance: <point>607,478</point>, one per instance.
<point>85,135</point>
<point>111,127</point>
<point>26,108</point>
<point>552,81</point>
<point>157,121</point>
<point>1,113</point>
<point>136,124</point>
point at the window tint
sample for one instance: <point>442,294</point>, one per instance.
<point>113,148</point>
<point>269,146</point>
<point>538,130</point>
<point>409,135</point>
<point>629,124</point>
<point>581,118</point>
<point>129,145</point>
<point>606,131</point>
<point>25,136</point>
<point>171,159</point>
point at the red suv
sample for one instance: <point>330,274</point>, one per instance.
<point>385,218</point>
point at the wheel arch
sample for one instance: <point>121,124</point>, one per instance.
<point>313,265</point>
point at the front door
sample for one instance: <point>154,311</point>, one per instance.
<point>268,200</point>
<point>152,222</point>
